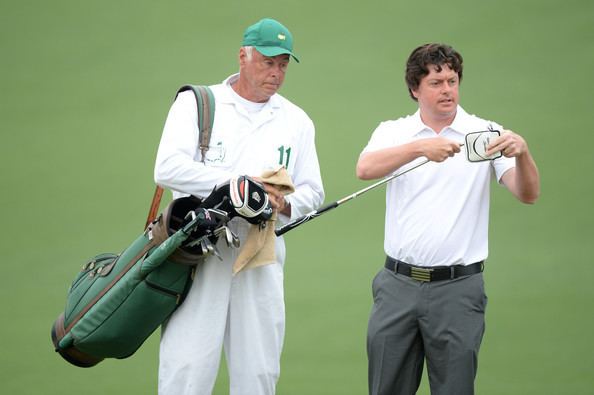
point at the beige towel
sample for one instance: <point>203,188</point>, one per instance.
<point>258,247</point>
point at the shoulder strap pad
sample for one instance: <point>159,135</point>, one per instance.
<point>206,110</point>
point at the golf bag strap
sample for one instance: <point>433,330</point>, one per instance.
<point>206,109</point>
<point>154,206</point>
<point>205,103</point>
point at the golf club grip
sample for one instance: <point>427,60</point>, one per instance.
<point>304,218</point>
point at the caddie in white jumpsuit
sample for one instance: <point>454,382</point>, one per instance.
<point>255,129</point>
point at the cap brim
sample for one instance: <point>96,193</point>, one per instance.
<point>275,51</point>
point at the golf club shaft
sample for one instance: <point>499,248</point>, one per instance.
<point>316,213</point>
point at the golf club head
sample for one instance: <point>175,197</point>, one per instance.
<point>231,238</point>
<point>221,215</point>
<point>204,246</point>
<point>476,145</point>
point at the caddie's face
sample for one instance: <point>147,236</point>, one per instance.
<point>262,75</point>
<point>437,93</point>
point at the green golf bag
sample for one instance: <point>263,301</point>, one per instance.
<point>118,300</point>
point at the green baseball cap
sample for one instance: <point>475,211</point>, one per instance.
<point>270,38</point>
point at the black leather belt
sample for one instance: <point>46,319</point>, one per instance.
<point>437,273</point>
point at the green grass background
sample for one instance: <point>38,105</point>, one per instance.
<point>84,91</point>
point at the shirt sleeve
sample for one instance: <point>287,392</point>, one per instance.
<point>383,137</point>
<point>178,166</point>
<point>502,164</point>
<point>309,191</point>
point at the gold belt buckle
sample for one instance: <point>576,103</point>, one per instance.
<point>420,274</point>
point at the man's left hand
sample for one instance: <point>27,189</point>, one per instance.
<point>276,198</point>
<point>509,143</point>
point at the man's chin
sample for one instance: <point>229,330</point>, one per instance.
<point>448,110</point>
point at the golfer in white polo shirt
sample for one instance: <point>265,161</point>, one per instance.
<point>429,300</point>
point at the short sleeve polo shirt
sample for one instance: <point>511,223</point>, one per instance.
<point>438,214</point>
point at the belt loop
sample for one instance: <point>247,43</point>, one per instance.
<point>396,262</point>
<point>452,272</point>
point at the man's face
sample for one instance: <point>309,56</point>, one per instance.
<point>263,75</point>
<point>438,92</point>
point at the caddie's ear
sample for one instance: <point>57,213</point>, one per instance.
<point>243,56</point>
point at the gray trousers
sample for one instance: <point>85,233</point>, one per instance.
<point>441,321</point>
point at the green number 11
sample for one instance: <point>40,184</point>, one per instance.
<point>282,151</point>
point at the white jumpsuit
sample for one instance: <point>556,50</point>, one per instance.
<point>244,314</point>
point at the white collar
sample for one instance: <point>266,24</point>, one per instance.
<point>417,126</point>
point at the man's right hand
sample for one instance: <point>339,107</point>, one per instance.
<point>380,163</point>
<point>438,149</point>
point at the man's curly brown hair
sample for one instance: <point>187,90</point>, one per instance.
<point>417,65</point>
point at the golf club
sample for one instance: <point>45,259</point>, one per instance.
<point>316,213</point>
